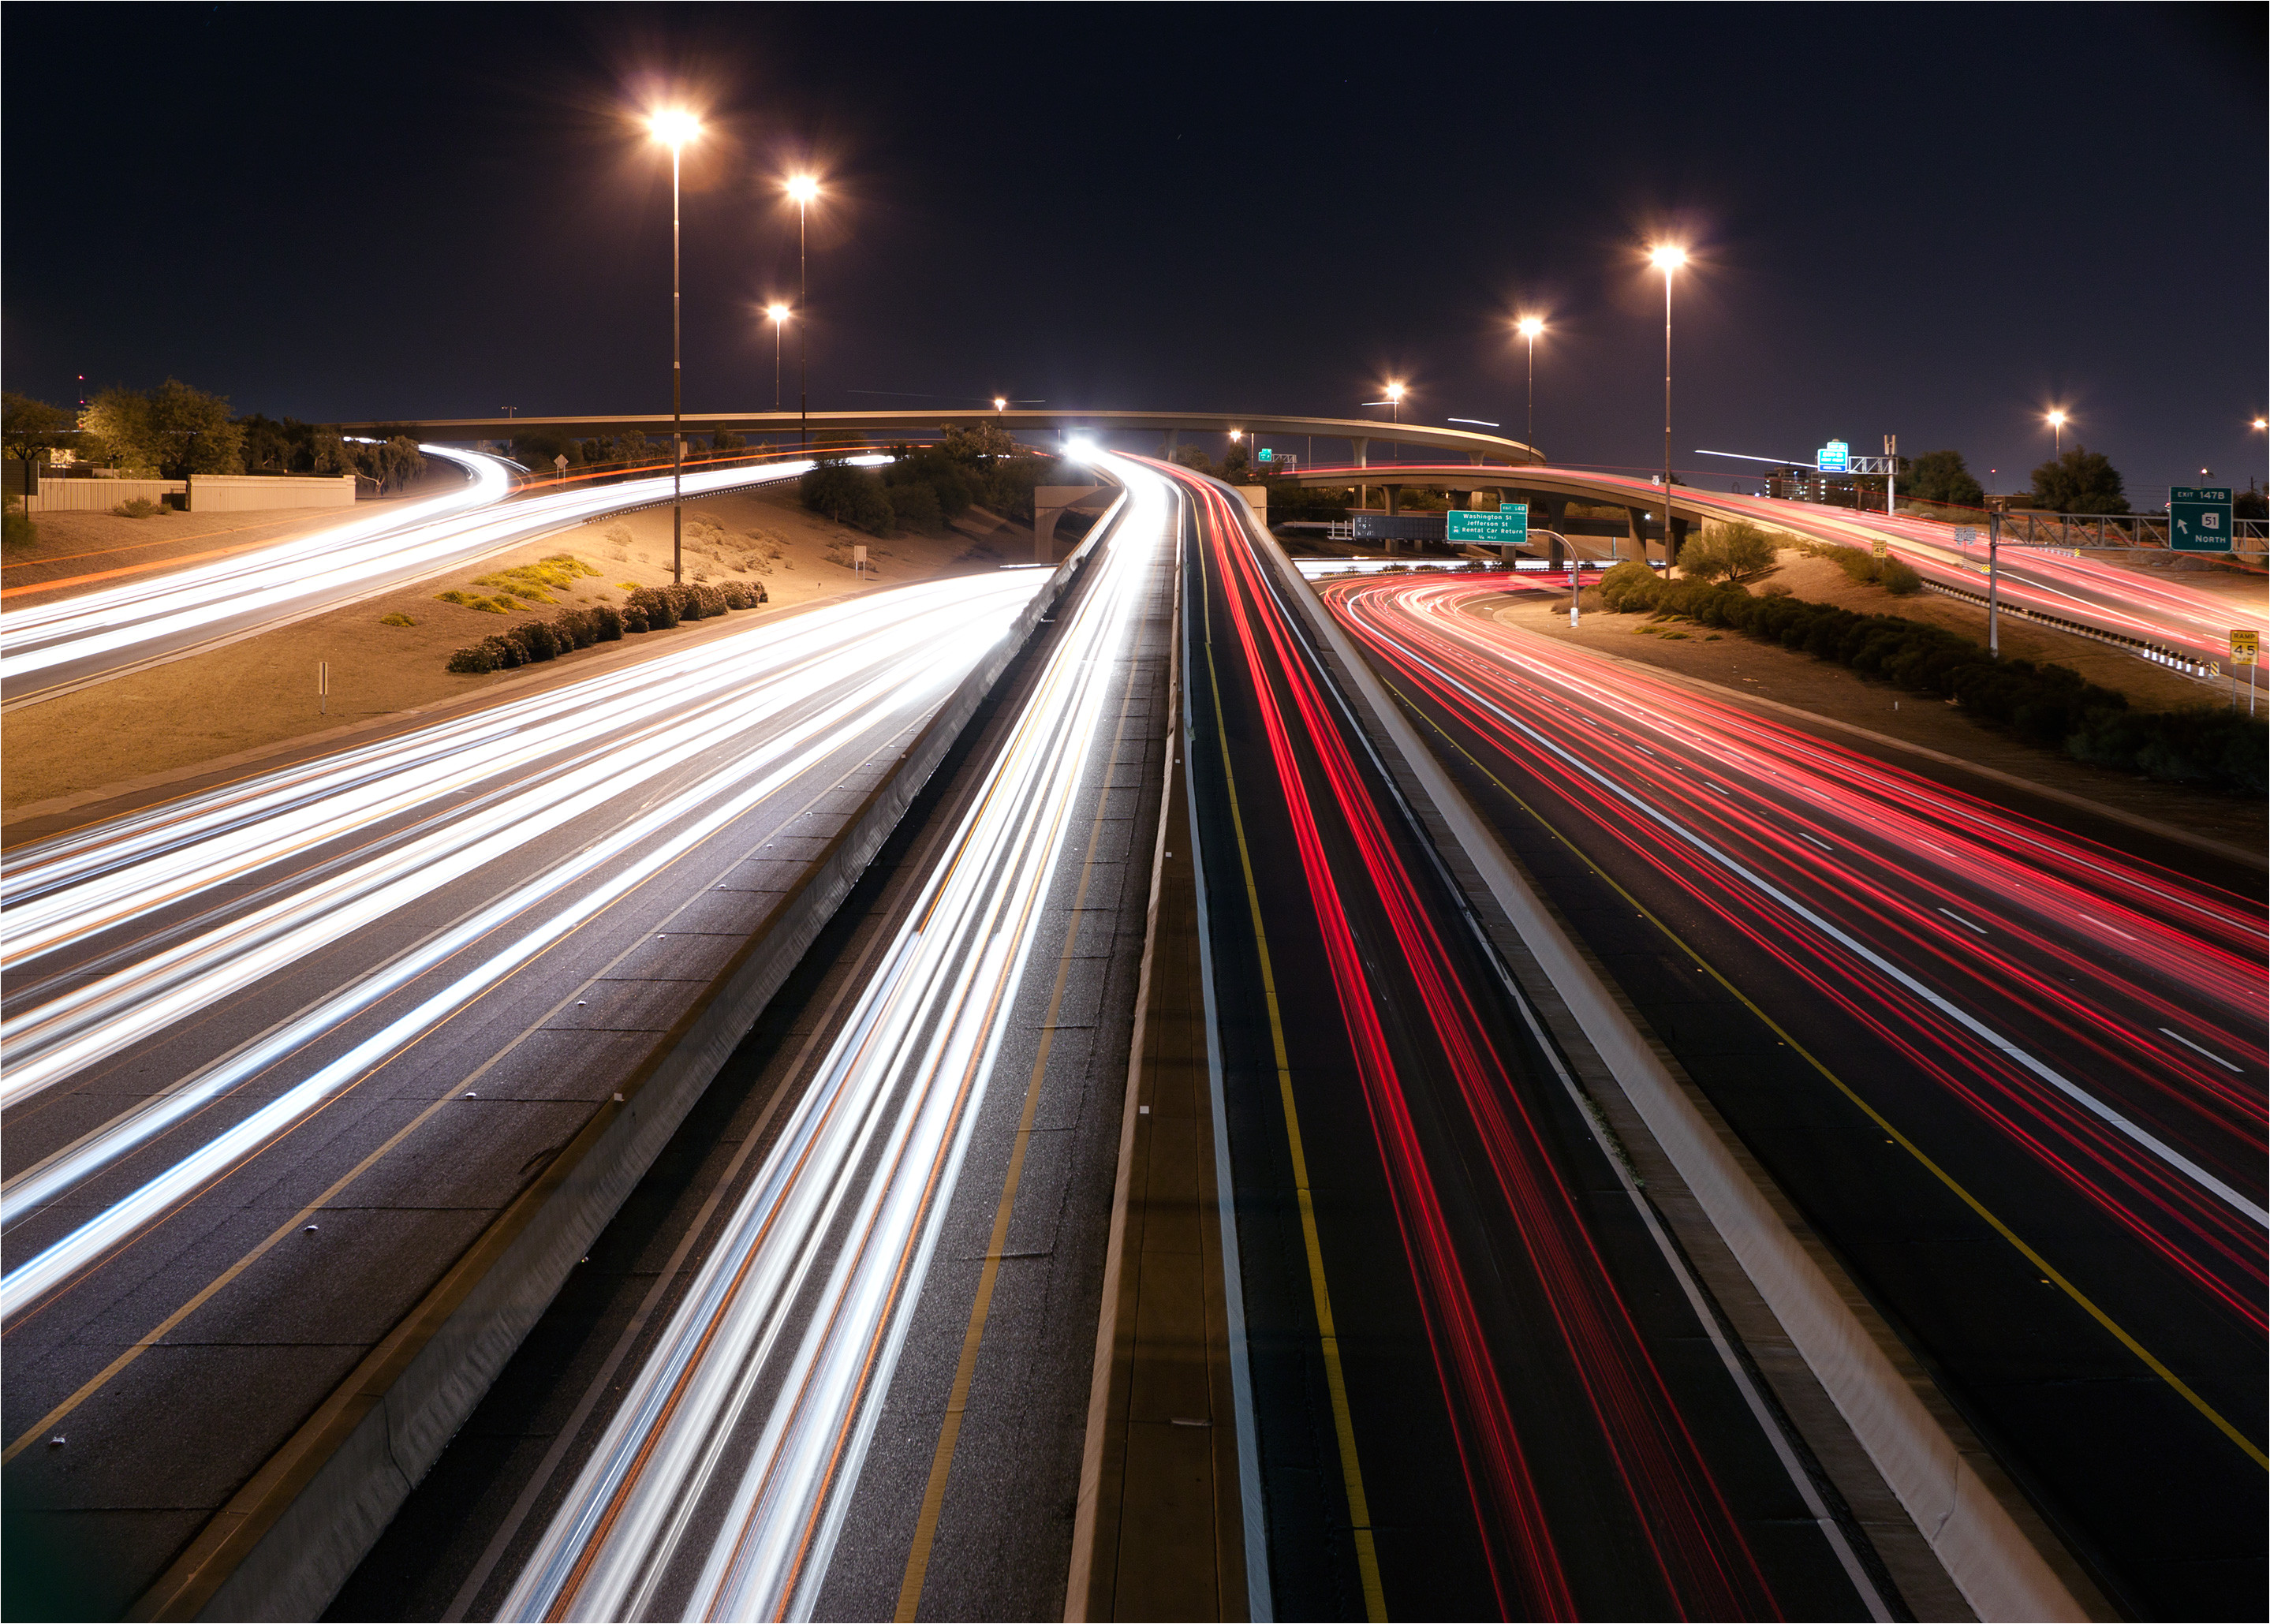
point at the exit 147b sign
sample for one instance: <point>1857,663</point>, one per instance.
<point>2199,518</point>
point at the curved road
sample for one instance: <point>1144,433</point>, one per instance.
<point>2015,1077</point>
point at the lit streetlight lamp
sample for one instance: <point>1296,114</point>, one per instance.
<point>803,188</point>
<point>1000,402</point>
<point>1395,402</point>
<point>1529,327</point>
<point>2056,432</point>
<point>674,127</point>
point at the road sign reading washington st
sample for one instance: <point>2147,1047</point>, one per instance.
<point>2199,518</point>
<point>1506,527</point>
<point>1836,458</point>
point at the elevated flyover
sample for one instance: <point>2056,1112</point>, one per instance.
<point>1361,435</point>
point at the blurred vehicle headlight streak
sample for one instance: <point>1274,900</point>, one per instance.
<point>704,737</point>
<point>855,1191</point>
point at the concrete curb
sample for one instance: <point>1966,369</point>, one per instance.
<point>285,1543</point>
<point>1996,1569</point>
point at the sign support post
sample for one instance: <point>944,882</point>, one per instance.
<point>1994,585</point>
<point>2245,648</point>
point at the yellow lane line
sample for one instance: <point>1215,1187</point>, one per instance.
<point>1367,1555</point>
<point>2151,1361</point>
<point>933,1501</point>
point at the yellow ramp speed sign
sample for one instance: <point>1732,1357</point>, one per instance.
<point>2245,647</point>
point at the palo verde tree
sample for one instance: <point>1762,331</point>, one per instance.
<point>2080,481</point>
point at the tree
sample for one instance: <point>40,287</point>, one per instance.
<point>847,495</point>
<point>977,443</point>
<point>2249,504</point>
<point>398,462</point>
<point>2080,481</point>
<point>1739,551</point>
<point>174,429</point>
<point>30,427</point>
<point>1941,476</point>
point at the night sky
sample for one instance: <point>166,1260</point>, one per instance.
<point>1938,222</point>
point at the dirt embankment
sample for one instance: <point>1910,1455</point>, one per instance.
<point>253,701</point>
<point>1823,688</point>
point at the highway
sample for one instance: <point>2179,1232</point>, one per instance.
<point>276,1052</point>
<point>1483,1381</point>
<point>728,1457</point>
<point>2162,610</point>
<point>54,648</point>
<point>2014,1074</point>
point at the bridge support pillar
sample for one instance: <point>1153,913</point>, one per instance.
<point>1674,538</point>
<point>1635,532</point>
<point>1362,452</point>
<point>1049,503</point>
<point>1173,442</point>
<point>1475,457</point>
<point>1553,553</point>
<point>1393,491</point>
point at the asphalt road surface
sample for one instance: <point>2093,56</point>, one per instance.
<point>2013,1073</point>
<point>276,1052</point>
<point>1482,1384</point>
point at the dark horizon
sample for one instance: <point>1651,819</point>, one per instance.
<point>357,214</point>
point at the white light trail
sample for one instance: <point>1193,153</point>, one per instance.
<point>55,642</point>
<point>856,1187</point>
<point>751,712</point>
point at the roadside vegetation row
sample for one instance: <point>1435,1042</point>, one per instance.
<point>2050,706</point>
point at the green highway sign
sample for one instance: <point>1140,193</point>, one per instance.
<point>1506,527</point>
<point>2199,518</point>
<point>1267,455</point>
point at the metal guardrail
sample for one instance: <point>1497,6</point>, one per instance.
<point>2182,661</point>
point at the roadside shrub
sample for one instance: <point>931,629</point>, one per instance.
<point>656,607</point>
<point>606,623</point>
<point>634,618</point>
<point>17,529</point>
<point>1898,579</point>
<point>475,600</point>
<point>574,630</point>
<point>536,638</point>
<point>139,507</point>
<point>473,661</point>
<point>737,594</point>
<point>1735,551</point>
<point>397,619</point>
<point>849,495</point>
<point>706,602</point>
<point>1629,588</point>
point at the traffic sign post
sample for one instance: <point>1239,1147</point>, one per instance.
<point>2199,518</point>
<point>2246,650</point>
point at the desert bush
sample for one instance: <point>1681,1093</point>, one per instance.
<point>634,618</point>
<point>655,606</point>
<point>849,495</point>
<point>17,529</point>
<point>741,595</point>
<point>1899,580</point>
<point>536,638</point>
<point>139,507</point>
<point>1736,550</point>
<point>397,619</point>
<point>475,600</point>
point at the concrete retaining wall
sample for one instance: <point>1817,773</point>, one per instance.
<point>208,492</point>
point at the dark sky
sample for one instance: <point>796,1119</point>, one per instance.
<point>1933,220</point>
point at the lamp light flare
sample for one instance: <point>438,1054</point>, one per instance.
<point>779,313</point>
<point>1529,327</point>
<point>1666,256</point>
<point>1395,391</point>
<point>803,188</point>
<point>999,403</point>
<point>673,127</point>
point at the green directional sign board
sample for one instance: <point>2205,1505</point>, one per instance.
<point>2199,518</point>
<point>1507,526</point>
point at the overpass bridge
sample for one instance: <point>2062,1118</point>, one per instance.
<point>1361,435</point>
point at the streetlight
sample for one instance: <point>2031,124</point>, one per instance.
<point>1666,258</point>
<point>674,127</point>
<point>2056,432</point>
<point>1529,327</point>
<point>1395,402</point>
<point>779,314</point>
<point>1000,404</point>
<point>803,188</point>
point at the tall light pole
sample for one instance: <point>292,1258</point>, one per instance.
<point>1395,402</point>
<point>1666,258</point>
<point>1529,327</point>
<point>779,314</point>
<point>2057,436</point>
<point>803,188</point>
<point>674,127</point>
